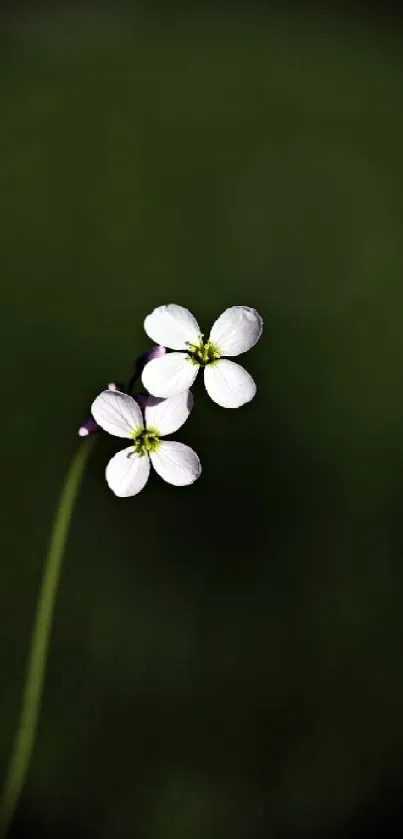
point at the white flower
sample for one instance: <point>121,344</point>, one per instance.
<point>128,471</point>
<point>235,331</point>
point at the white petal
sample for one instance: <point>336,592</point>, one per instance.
<point>176,463</point>
<point>172,326</point>
<point>127,473</point>
<point>228,384</point>
<point>117,413</point>
<point>169,375</point>
<point>236,330</point>
<point>167,415</point>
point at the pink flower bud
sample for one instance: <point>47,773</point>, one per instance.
<point>88,427</point>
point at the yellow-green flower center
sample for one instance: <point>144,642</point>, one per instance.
<point>203,353</point>
<point>146,441</point>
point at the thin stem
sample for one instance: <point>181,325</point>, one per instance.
<point>132,382</point>
<point>35,675</point>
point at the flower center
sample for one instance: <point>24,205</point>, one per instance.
<point>203,353</point>
<point>146,441</point>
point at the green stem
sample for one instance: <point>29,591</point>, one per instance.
<point>33,688</point>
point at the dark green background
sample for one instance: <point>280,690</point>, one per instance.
<point>226,659</point>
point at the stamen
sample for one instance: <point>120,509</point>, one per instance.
<point>203,353</point>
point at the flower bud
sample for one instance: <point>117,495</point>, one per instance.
<point>88,427</point>
<point>116,386</point>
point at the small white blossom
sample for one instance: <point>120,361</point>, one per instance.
<point>234,332</point>
<point>128,471</point>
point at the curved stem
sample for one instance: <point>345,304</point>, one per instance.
<point>35,675</point>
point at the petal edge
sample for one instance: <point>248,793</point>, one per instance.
<point>117,413</point>
<point>236,330</point>
<point>172,326</point>
<point>176,463</point>
<point>127,473</point>
<point>228,384</point>
<point>170,375</point>
<point>167,415</point>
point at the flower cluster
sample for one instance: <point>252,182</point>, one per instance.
<point>145,419</point>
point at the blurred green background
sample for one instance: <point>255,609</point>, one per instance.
<point>226,660</point>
